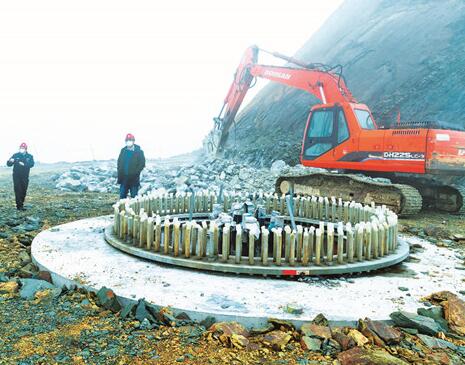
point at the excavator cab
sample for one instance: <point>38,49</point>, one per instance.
<point>326,128</point>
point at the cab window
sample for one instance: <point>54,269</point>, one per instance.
<point>342,130</point>
<point>321,124</point>
<point>364,119</point>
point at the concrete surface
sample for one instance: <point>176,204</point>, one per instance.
<point>77,253</point>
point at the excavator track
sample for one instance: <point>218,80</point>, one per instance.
<point>461,192</point>
<point>445,196</point>
<point>412,202</point>
<point>403,199</point>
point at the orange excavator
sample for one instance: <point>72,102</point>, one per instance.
<point>421,161</point>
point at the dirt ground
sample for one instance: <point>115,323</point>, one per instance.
<point>72,329</point>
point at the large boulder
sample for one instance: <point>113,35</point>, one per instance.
<point>454,310</point>
<point>423,324</point>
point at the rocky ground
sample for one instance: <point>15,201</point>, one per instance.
<point>42,324</point>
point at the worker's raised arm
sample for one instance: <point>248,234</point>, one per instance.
<point>11,161</point>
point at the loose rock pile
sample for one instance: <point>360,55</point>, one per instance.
<point>95,178</point>
<point>208,174</point>
<point>432,337</point>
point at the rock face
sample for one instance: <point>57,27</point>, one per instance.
<point>396,56</point>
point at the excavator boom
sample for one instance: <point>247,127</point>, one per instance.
<point>318,80</point>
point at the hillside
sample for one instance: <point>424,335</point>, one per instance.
<point>404,55</point>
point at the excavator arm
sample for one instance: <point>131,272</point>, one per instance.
<point>317,79</point>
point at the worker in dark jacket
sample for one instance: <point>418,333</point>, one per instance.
<point>131,162</point>
<point>22,163</point>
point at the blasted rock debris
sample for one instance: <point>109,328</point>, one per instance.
<point>211,174</point>
<point>198,174</point>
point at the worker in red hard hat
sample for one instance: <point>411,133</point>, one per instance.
<point>131,162</point>
<point>22,162</point>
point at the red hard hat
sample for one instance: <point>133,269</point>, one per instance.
<point>130,137</point>
<point>23,145</point>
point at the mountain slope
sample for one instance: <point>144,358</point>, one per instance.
<point>403,55</point>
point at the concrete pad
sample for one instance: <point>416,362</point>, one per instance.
<point>77,253</point>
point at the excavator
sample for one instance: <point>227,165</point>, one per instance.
<point>419,163</point>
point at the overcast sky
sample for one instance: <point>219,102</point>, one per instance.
<point>76,76</point>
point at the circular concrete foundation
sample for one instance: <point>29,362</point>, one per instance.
<point>76,253</point>
<point>399,255</point>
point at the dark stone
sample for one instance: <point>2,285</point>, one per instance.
<point>44,275</point>
<point>368,356</point>
<point>26,240</point>
<point>145,324</point>
<point>315,330</point>
<point>276,339</point>
<point>343,340</point>
<point>435,313</point>
<point>281,324</point>
<point>128,310</point>
<point>142,312</point>
<point>208,321</point>
<point>331,347</point>
<point>410,331</point>
<point>4,235</point>
<point>28,271</point>
<point>454,310</point>
<point>13,222</point>
<point>261,330</point>
<point>32,286</point>
<point>155,311</point>
<point>107,299</point>
<point>371,335</point>
<point>387,333</point>
<point>437,343</point>
<point>183,316</point>
<point>24,257</point>
<point>436,231</point>
<point>320,320</point>
<point>423,324</point>
<point>169,319</point>
<point>3,278</point>
<point>310,344</point>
